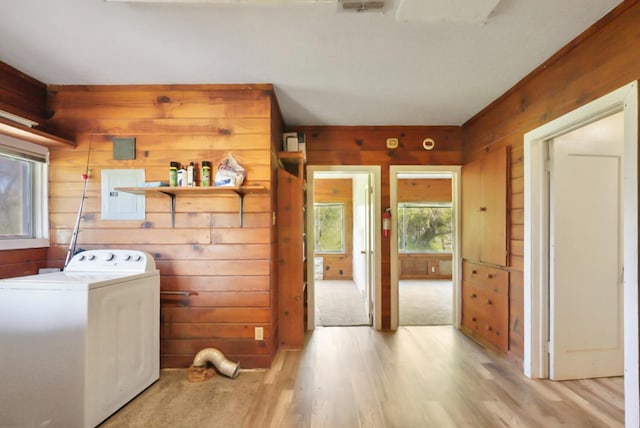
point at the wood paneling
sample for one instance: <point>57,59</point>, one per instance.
<point>604,58</point>
<point>21,94</point>
<point>22,262</point>
<point>228,270</point>
<point>337,190</point>
<point>366,145</point>
<point>425,266</point>
<point>291,272</point>
<point>424,190</point>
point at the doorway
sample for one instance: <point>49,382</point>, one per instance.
<point>343,246</point>
<point>424,256</point>
<point>537,269</point>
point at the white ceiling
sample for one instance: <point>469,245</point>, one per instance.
<point>328,67</point>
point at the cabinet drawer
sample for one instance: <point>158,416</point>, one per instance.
<point>486,302</point>
<point>494,332</point>
<point>487,277</point>
<point>485,314</point>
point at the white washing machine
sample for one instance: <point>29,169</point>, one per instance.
<point>76,345</point>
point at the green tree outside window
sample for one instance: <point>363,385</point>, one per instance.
<point>425,228</point>
<point>329,228</point>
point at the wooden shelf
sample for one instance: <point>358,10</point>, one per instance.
<point>172,192</point>
<point>32,135</point>
<point>191,191</point>
<point>294,160</point>
<point>292,157</point>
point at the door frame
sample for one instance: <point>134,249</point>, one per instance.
<point>375,172</point>
<point>454,172</point>
<point>536,260</point>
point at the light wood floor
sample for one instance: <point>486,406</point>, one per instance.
<point>420,377</point>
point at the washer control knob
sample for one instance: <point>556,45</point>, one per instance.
<point>127,258</point>
<point>81,258</point>
<point>138,258</point>
<point>108,257</point>
<point>92,257</point>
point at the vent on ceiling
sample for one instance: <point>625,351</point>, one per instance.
<point>361,5</point>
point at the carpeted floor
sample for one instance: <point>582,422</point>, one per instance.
<point>428,302</point>
<point>339,303</point>
<point>173,401</point>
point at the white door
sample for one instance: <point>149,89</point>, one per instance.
<point>368,241</point>
<point>585,278</point>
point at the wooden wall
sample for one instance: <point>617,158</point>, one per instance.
<point>337,190</point>
<point>366,145</point>
<point>22,95</point>
<point>15,263</point>
<point>228,269</point>
<point>26,97</point>
<point>605,57</point>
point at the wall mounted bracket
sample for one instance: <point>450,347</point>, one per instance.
<point>173,192</point>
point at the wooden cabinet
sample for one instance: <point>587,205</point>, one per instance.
<point>484,208</point>
<point>485,304</point>
<point>291,252</point>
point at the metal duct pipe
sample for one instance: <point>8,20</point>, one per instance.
<point>217,358</point>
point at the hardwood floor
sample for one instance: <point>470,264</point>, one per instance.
<point>420,377</point>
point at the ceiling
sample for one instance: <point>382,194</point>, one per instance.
<point>407,65</point>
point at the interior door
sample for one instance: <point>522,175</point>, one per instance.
<point>368,241</point>
<point>585,279</point>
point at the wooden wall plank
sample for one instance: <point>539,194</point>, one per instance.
<point>15,263</point>
<point>21,94</point>
<point>424,190</point>
<point>225,269</point>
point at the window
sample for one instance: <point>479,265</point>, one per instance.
<point>329,219</point>
<point>425,228</point>
<point>23,195</point>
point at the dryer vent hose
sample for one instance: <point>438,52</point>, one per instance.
<point>217,358</point>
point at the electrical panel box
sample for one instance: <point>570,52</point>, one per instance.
<point>124,148</point>
<point>118,205</point>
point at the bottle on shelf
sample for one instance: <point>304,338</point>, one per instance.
<point>182,177</point>
<point>190,180</point>
<point>173,173</point>
<point>205,176</point>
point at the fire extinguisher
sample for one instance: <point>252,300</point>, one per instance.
<point>386,222</point>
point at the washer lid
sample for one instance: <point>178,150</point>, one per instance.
<point>73,281</point>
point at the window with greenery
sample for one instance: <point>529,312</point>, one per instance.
<point>23,195</point>
<point>425,228</point>
<point>329,228</point>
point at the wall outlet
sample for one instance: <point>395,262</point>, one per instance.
<point>259,333</point>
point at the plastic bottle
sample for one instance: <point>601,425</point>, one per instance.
<point>182,177</point>
<point>173,173</point>
<point>190,181</point>
<point>205,176</point>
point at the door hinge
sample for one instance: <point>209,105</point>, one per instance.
<point>547,346</point>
